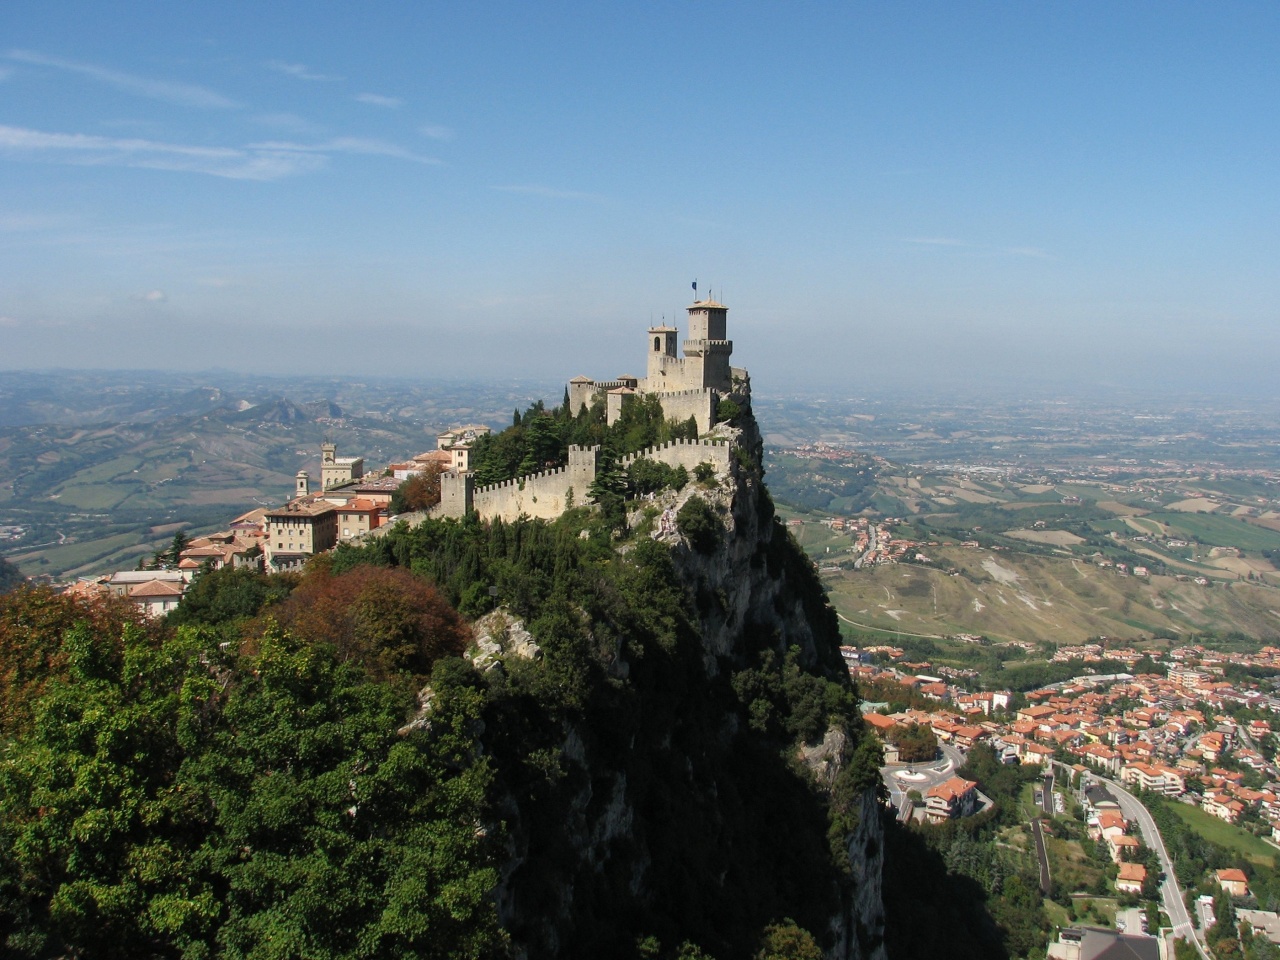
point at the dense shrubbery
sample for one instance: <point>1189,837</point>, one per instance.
<point>33,622</point>
<point>229,595</point>
<point>646,476</point>
<point>698,524</point>
<point>174,798</point>
<point>232,784</point>
<point>540,439</point>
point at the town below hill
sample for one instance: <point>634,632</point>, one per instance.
<point>1145,789</point>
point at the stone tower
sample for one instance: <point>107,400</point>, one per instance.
<point>709,343</point>
<point>303,484</point>
<point>662,351</point>
<point>708,320</point>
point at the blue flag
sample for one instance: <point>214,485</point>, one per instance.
<point>695,286</point>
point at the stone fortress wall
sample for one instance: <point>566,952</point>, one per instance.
<point>549,494</point>
<point>698,403</point>
<point>687,454</point>
<point>688,386</point>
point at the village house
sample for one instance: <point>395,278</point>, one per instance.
<point>157,597</point>
<point>1233,881</point>
<point>955,798</point>
<point>1220,804</point>
<point>1118,844</point>
<point>298,530</point>
<point>1132,877</point>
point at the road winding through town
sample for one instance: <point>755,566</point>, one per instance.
<point>1170,892</point>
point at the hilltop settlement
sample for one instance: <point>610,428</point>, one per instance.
<point>694,384</point>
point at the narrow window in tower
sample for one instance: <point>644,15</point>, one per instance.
<point>657,343</point>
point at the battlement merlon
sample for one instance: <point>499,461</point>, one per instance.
<point>701,348</point>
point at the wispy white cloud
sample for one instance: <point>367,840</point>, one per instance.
<point>436,131</point>
<point>254,163</point>
<point>552,193</point>
<point>378,100</point>
<point>299,71</point>
<point>169,91</point>
<point>354,145</point>
<point>271,160</point>
<point>8,321</point>
<point>152,296</point>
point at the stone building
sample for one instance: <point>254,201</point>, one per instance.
<point>457,443</point>
<point>300,528</point>
<point>691,385</point>
<point>336,470</point>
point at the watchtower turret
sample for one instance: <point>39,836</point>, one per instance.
<point>662,350</point>
<point>708,320</point>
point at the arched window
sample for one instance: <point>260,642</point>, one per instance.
<point>657,344</point>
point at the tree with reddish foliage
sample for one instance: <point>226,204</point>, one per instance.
<point>33,624</point>
<point>386,619</point>
<point>421,491</point>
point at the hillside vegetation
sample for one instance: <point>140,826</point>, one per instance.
<point>335,765</point>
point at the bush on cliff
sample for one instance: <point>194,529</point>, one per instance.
<point>698,524</point>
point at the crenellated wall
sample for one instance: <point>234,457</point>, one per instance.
<point>687,454</point>
<point>547,495</point>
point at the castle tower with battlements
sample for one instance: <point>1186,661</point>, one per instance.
<point>688,386</point>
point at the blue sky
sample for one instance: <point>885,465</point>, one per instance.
<point>1081,195</point>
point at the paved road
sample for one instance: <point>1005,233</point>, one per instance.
<point>1046,883</point>
<point>1170,892</point>
<point>1046,800</point>
<point>921,776</point>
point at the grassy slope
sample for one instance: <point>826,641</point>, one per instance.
<point>1062,600</point>
<point>1226,835</point>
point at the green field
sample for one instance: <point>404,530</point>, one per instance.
<point>74,555</point>
<point>1226,835</point>
<point>109,469</point>
<point>97,496</point>
<point>1222,531</point>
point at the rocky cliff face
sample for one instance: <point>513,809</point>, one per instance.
<point>691,796</point>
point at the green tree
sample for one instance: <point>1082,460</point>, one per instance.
<point>419,491</point>
<point>180,541</point>
<point>787,941</point>
<point>230,594</point>
<point>10,576</point>
<point>100,835</point>
<point>698,524</point>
